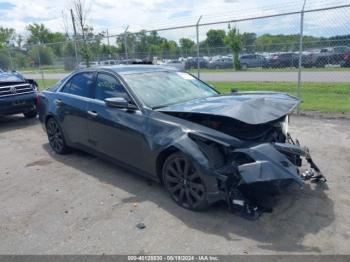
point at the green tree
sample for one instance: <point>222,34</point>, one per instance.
<point>173,49</point>
<point>216,38</point>
<point>187,46</point>
<point>41,55</point>
<point>169,49</point>
<point>130,42</point>
<point>5,62</point>
<point>233,40</point>
<point>6,34</point>
<point>248,40</point>
<point>38,34</point>
<point>154,50</point>
<point>20,60</point>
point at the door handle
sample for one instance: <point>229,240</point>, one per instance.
<point>58,102</point>
<point>92,113</point>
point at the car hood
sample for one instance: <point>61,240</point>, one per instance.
<point>249,107</point>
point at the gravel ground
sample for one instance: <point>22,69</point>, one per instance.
<point>79,204</point>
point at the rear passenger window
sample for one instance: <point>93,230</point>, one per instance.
<point>79,85</point>
<point>108,86</point>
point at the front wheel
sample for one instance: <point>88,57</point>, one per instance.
<point>184,183</point>
<point>55,136</point>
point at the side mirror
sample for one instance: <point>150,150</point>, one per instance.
<point>119,102</point>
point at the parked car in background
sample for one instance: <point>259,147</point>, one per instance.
<point>252,60</point>
<point>338,55</point>
<point>176,64</point>
<point>282,60</point>
<point>110,62</point>
<point>18,95</point>
<point>221,63</point>
<point>135,61</point>
<point>193,63</point>
<point>83,65</point>
<point>346,60</point>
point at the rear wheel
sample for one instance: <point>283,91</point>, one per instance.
<point>55,136</point>
<point>184,183</point>
<point>30,114</point>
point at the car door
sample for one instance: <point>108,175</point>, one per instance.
<point>71,107</point>
<point>114,132</point>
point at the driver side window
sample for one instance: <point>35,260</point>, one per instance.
<point>108,86</point>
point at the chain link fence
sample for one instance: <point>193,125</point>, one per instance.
<point>299,52</point>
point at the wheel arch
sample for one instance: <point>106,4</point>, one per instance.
<point>162,156</point>
<point>47,117</point>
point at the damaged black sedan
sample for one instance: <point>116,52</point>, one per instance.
<point>172,127</point>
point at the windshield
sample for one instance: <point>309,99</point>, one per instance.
<point>159,89</point>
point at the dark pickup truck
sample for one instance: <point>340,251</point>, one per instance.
<point>18,95</point>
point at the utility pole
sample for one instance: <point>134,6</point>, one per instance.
<point>197,32</point>
<point>300,53</point>
<point>126,42</point>
<point>75,38</point>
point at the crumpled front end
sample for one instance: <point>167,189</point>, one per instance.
<point>257,173</point>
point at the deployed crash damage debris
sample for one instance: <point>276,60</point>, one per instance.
<point>263,180</point>
<point>266,159</point>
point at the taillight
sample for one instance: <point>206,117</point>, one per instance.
<point>346,56</point>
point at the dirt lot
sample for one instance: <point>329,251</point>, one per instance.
<point>77,204</point>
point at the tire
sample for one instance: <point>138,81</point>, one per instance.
<point>31,114</point>
<point>184,182</point>
<point>56,137</point>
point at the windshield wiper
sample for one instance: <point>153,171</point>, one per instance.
<point>160,106</point>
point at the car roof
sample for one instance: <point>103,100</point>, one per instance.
<point>135,69</point>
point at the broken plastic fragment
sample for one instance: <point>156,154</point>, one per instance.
<point>141,226</point>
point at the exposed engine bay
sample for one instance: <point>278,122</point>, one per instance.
<point>267,132</point>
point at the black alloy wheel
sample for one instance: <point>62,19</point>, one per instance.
<point>184,183</point>
<point>55,136</point>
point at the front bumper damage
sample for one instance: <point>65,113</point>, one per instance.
<point>250,187</point>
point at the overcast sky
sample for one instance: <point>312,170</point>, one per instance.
<point>152,14</point>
